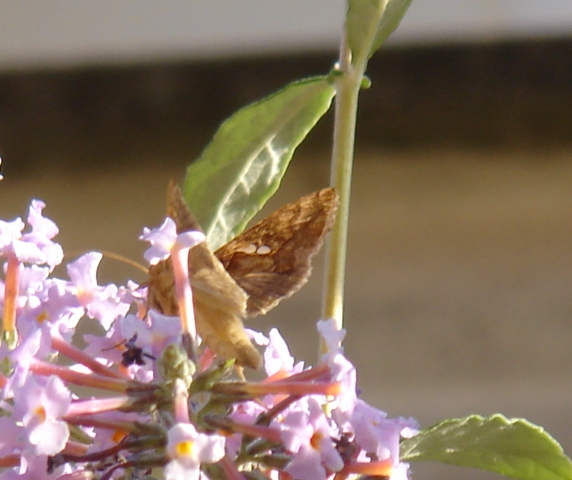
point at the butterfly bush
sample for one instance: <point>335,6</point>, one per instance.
<point>156,405</point>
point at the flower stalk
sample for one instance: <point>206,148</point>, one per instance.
<point>11,291</point>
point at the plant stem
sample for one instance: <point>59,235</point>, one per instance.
<point>347,91</point>
<point>348,83</point>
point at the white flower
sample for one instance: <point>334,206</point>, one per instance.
<point>188,448</point>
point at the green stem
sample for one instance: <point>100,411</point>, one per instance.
<point>348,83</point>
<point>347,92</point>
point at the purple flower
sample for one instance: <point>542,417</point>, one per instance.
<point>277,356</point>
<point>51,306</point>
<point>36,246</point>
<point>43,230</point>
<point>36,345</point>
<point>150,337</point>
<point>188,448</point>
<point>311,421</point>
<point>102,303</point>
<point>331,335</point>
<point>164,243</point>
<point>165,238</point>
<point>40,403</point>
<point>10,231</point>
<point>33,279</point>
<point>161,331</point>
<point>83,275</point>
<point>11,243</point>
<point>379,436</point>
<point>308,435</point>
<point>10,440</point>
<point>374,433</point>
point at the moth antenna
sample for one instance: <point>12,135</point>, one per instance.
<point>125,260</point>
<point>114,256</point>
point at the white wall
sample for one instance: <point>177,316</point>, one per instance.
<point>40,33</point>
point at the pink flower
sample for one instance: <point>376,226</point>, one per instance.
<point>308,435</point>
<point>11,243</point>
<point>43,230</point>
<point>277,356</point>
<point>41,403</point>
<point>102,303</point>
<point>188,448</point>
<point>331,335</point>
<point>33,247</point>
<point>164,239</point>
<point>166,243</point>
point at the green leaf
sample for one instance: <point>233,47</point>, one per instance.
<point>370,22</point>
<point>512,447</point>
<point>244,163</point>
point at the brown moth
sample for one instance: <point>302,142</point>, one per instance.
<point>249,275</point>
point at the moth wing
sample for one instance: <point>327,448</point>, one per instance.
<point>208,275</point>
<point>218,300</point>
<point>272,260</point>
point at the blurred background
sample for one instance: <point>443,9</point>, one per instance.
<point>460,257</point>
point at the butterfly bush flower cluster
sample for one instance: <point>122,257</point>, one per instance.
<point>134,402</point>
